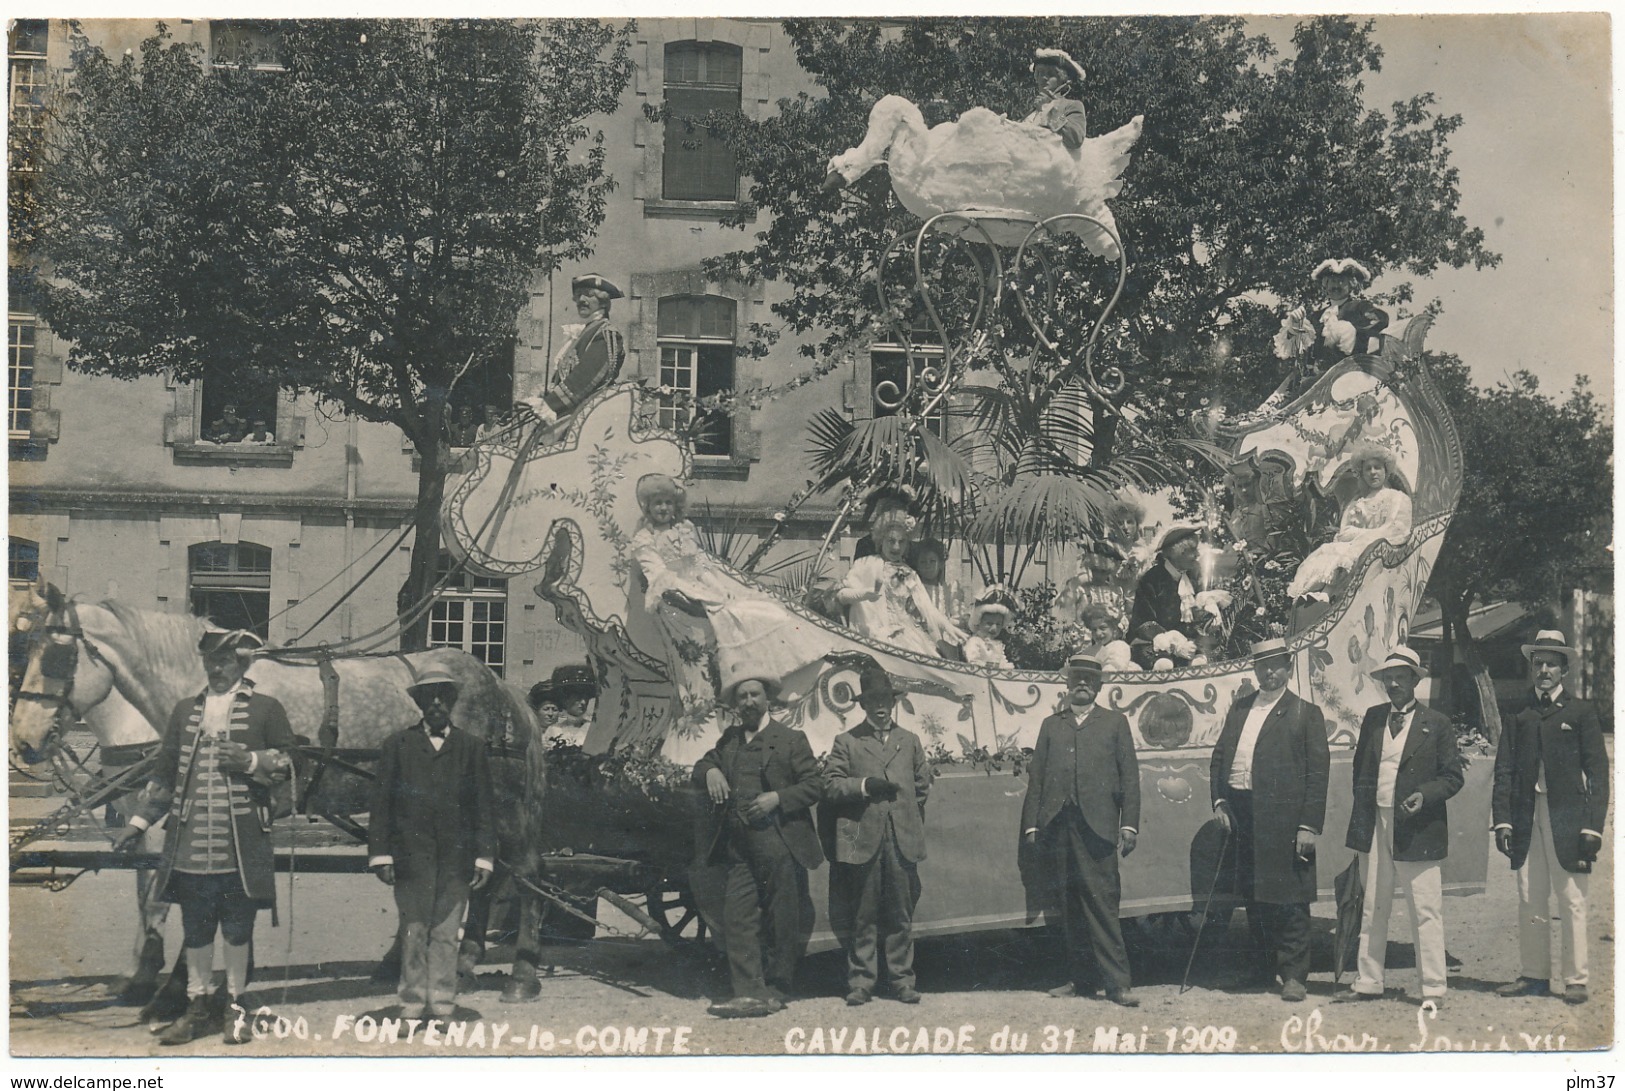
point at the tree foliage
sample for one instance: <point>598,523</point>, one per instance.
<point>1251,169</point>
<point>360,220</point>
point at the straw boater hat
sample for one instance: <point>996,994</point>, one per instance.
<point>1176,534</point>
<point>431,676</point>
<point>1273,648</point>
<point>1083,664</point>
<point>572,682</point>
<point>596,282</point>
<point>1340,267</point>
<point>242,641</point>
<point>1550,640</point>
<point>1401,658</point>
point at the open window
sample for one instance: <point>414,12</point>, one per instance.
<point>696,361</point>
<point>230,584</point>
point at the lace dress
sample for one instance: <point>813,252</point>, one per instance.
<point>1385,513</point>
<point>739,622</point>
<point>904,615</point>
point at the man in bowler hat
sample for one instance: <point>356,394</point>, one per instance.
<point>875,786</point>
<point>1083,810</point>
<point>1269,774</point>
<point>432,839</point>
<point>1405,767</point>
<point>1549,805</point>
<point>761,781</point>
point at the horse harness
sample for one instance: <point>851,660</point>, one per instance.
<point>59,658</point>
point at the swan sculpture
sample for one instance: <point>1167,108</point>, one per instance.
<point>989,165</point>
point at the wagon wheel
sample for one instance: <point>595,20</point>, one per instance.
<point>674,908</point>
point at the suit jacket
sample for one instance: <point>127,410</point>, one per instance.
<point>1291,767</point>
<point>1063,116</point>
<point>1157,599</point>
<point>261,724</point>
<point>1094,763</point>
<point>431,809</point>
<point>778,759</point>
<point>1430,764</point>
<point>854,824</point>
<point>1567,740</point>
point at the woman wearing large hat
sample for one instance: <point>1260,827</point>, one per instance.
<point>591,359</point>
<point>1381,510</point>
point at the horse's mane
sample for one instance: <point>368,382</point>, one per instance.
<point>163,649</point>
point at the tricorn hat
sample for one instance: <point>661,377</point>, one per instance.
<point>594,281</point>
<point>1058,58</point>
<point>432,676</point>
<point>1341,267</point>
<point>1401,658</point>
<point>1550,640</point>
<point>242,641</point>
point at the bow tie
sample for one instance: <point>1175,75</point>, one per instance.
<point>439,733</point>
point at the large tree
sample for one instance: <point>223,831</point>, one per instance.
<point>1536,511</point>
<point>360,220</point>
<point>1251,169</point>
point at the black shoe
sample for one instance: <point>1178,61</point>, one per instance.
<point>906,994</point>
<point>200,1019</point>
<point>858,997</point>
<point>1525,986</point>
<point>1123,999</point>
<point>1576,994</point>
<point>238,1022</point>
<point>743,1007</point>
<point>1349,996</point>
<point>1294,992</point>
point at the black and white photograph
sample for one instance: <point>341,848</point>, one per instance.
<point>579,536</point>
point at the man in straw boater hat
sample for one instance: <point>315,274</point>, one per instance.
<point>1083,810</point>
<point>762,782</point>
<point>432,838</point>
<point>873,821</point>
<point>1405,766</point>
<point>1269,773</point>
<point>1549,805</point>
<point>220,754</point>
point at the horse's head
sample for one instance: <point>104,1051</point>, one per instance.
<point>63,674</point>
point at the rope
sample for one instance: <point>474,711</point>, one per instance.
<point>340,601</point>
<point>405,520</point>
<point>293,859</point>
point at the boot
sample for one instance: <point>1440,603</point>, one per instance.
<point>169,1003</point>
<point>238,1023</point>
<point>148,969</point>
<point>198,1021</point>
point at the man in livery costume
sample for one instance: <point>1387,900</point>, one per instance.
<point>593,357</point>
<point>221,752</point>
<point>1058,77</point>
<point>1348,325</point>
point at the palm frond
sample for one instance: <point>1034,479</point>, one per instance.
<point>1043,506</point>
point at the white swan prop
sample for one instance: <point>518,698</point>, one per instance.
<point>987,164</point>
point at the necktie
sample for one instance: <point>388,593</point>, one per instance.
<point>1545,700</point>
<point>438,733</point>
<point>1396,723</point>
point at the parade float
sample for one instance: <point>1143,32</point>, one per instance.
<point>561,508</point>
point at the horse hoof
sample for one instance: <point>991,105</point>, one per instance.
<point>518,991</point>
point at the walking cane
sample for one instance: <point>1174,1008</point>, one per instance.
<point>1196,945</point>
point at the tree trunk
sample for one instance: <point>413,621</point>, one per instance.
<point>420,579</point>
<point>1455,609</point>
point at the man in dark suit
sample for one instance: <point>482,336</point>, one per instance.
<point>220,753</point>
<point>875,786</point>
<point>1166,596</point>
<point>1269,773</point>
<point>1083,809</point>
<point>762,781</point>
<point>432,838</point>
<point>1549,805</point>
<point>1405,767</point>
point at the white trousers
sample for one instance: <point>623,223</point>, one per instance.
<point>1423,884</point>
<point>1540,881</point>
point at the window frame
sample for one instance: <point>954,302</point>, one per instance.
<point>15,323</point>
<point>234,578</point>
<point>18,60</point>
<point>468,593</point>
<point>669,414</point>
<point>937,421</point>
<point>681,128</point>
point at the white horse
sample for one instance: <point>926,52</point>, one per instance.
<point>142,661</point>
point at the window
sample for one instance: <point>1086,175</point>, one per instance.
<point>696,361</point>
<point>22,560</point>
<point>246,43</point>
<point>888,378</point>
<point>231,585</point>
<point>701,78</point>
<point>237,412</point>
<point>20,376</point>
<point>471,615</point>
<point>25,50</point>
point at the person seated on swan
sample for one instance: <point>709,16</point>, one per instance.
<point>887,600</point>
<point>1059,79</point>
<point>1381,510</point>
<point>702,610</point>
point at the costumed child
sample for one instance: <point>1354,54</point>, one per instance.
<point>988,618</point>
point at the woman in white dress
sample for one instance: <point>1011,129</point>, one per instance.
<point>887,600</point>
<point>1380,511</point>
<point>702,610</point>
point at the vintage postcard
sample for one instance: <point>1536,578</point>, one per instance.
<point>892,537</point>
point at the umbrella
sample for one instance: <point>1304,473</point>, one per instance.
<point>1350,888</point>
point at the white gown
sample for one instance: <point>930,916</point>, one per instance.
<point>904,615</point>
<point>1386,513</point>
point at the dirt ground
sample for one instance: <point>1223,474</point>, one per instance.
<point>983,992</point>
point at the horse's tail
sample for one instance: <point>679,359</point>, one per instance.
<point>527,736</point>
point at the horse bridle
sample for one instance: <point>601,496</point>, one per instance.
<point>59,659</point>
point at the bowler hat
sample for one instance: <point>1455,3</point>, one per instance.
<point>1550,640</point>
<point>873,681</point>
<point>1401,658</point>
